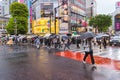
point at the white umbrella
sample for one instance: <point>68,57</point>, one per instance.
<point>47,35</point>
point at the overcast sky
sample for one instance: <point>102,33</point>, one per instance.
<point>106,6</point>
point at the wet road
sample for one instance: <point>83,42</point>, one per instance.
<point>28,63</point>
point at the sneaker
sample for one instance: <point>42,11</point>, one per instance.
<point>83,61</point>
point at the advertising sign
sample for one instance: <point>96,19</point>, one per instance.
<point>63,28</point>
<point>117,24</point>
<point>21,1</point>
<point>46,9</point>
<point>117,4</point>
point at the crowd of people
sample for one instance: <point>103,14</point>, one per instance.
<point>53,41</point>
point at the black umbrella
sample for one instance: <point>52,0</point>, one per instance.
<point>87,35</point>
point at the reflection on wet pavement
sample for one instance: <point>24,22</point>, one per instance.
<point>29,63</point>
<point>101,61</point>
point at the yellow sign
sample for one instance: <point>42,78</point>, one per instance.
<point>41,26</point>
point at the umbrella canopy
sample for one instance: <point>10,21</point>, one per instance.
<point>87,35</point>
<point>47,35</point>
<point>64,37</point>
<point>29,37</point>
<point>75,35</point>
<point>105,35</point>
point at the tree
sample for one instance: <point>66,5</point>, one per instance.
<point>102,22</point>
<point>19,12</point>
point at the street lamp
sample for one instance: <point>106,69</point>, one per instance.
<point>91,8</point>
<point>15,30</point>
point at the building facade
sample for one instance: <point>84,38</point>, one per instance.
<point>3,23</point>
<point>116,18</point>
<point>6,7</point>
<point>91,8</point>
<point>77,14</point>
<point>1,8</point>
<point>70,14</point>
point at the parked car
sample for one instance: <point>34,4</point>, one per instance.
<point>115,41</point>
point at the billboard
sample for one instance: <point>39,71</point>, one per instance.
<point>117,24</point>
<point>21,1</point>
<point>64,28</point>
<point>41,26</point>
<point>117,4</point>
<point>46,9</point>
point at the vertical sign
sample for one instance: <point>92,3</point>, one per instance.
<point>64,29</point>
<point>30,15</point>
<point>117,24</point>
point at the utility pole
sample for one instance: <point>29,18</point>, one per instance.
<point>91,8</point>
<point>55,10</point>
<point>15,30</point>
<point>51,13</point>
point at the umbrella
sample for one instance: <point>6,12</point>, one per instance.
<point>64,37</point>
<point>10,42</point>
<point>29,36</point>
<point>87,35</point>
<point>75,35</point>
<point>105,35</point>
<point>47,35</point>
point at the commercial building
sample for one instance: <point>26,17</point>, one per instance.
<point>116,18</point>
<point>91,8</point>
<point>1,8</point>
<point>3,23</point>
<point>43,16</point>
<point>76,14</point>
<point>69,15</point>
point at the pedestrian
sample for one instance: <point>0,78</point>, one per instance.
<point>104,43</point>
<point>49,43</point>
<point>78,42</point>
<point>66,44</point>
<point>89,51</point>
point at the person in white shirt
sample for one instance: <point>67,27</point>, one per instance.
<point>89,51</point>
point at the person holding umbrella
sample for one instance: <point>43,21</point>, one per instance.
<point>88,49</point>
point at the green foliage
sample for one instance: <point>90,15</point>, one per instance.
<point>102,22</point>
<point>18,9</point>
<point>21,24</point>
<point>19,12</point>
<point>10,26</point>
